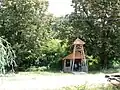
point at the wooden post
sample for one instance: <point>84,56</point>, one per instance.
<point>84,59</point>
<point>64,64</point>
<point>73,58</point>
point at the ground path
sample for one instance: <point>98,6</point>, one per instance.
<point>46,82</point>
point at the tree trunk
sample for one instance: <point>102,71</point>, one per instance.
<point>105,60</point>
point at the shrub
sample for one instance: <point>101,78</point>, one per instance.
<point>93,63</point>
<point>34,68</point>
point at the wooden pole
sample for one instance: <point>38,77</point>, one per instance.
<point>64,65</point>
<point>86,63</point>
<point>73,58</point>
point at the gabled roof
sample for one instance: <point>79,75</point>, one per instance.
<point>78,41</point>
<point>77,56</point>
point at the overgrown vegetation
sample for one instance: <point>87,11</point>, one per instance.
<point>40,39</point>
<point>7,56</point>
<point>85,87</point>
<point>97,22</point>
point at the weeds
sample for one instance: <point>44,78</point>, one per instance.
<point>86,87</point>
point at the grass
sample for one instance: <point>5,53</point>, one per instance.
<point>45,73</point>
<point>85,87</point>
<point>108,71</point>
<point>56,73</point>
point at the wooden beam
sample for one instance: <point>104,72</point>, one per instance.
<point>73,58</point>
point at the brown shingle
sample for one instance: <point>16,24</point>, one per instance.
<point>77,56</point>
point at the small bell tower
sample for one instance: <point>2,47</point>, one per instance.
<point>79,49</point>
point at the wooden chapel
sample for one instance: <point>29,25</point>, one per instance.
<point>76,61</point>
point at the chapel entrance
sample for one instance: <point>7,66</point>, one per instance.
<point>77,66</point>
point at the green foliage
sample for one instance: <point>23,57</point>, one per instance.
<point>97,22</point>
<point>34,69</point>
<point>64,28</point>
<point>53,51</point>
<point>7,56</point>
<point>39,39</point>
<point>93,63</point>
<point>26,26</point>
<point>115,63</point>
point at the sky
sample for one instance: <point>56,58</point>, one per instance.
<point>60,7</point>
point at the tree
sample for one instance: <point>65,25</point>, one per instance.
<point>26,26</point>
<point>64,31</point>
<point>7,56</point>
<point>98,22</point>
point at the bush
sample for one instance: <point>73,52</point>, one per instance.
<point>53,52</point>
<point>115,63</point>
<point>34,68</point>
<point>93,63</point>
<point>43,68</point>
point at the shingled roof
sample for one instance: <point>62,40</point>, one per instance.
<point>77,56</point>
<point>78,41</point>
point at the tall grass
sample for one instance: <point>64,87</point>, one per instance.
<point>98,87</point>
